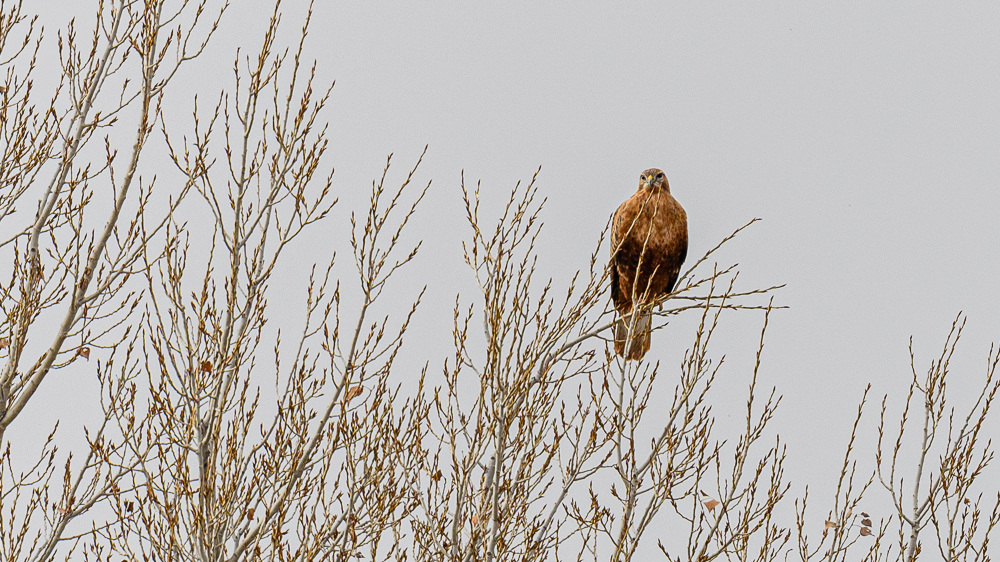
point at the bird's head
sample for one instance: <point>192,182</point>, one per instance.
<point>654,178</point>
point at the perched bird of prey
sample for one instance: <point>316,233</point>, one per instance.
<point>649,240</point>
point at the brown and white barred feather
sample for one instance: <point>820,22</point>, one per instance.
<point>633,334</point>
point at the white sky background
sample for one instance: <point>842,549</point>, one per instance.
<point>865,134</point>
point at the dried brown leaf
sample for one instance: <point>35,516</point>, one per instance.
<point>712,504</point>
<point>84,352</point>
<point>352,393</point>
<point>865,531</point>
<point>830,525</point>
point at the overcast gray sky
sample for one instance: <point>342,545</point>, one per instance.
<point>866,135</point>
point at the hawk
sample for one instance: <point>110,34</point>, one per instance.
<point>649,240</point>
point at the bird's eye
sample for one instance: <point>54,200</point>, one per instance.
<point>642,178</point>
<point>659,176</point>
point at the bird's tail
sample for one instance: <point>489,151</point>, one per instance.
<point>633,332</point>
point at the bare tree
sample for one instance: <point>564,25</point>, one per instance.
<point>553,440</point>
<point>943,499</point>
<point>942,496</point>
<point>227,432</point>
<point>68,292</point>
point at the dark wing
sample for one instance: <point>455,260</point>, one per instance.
<point>681,250</point>
<point>617,233</point>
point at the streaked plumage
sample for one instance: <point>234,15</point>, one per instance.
<point>649,240</point>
